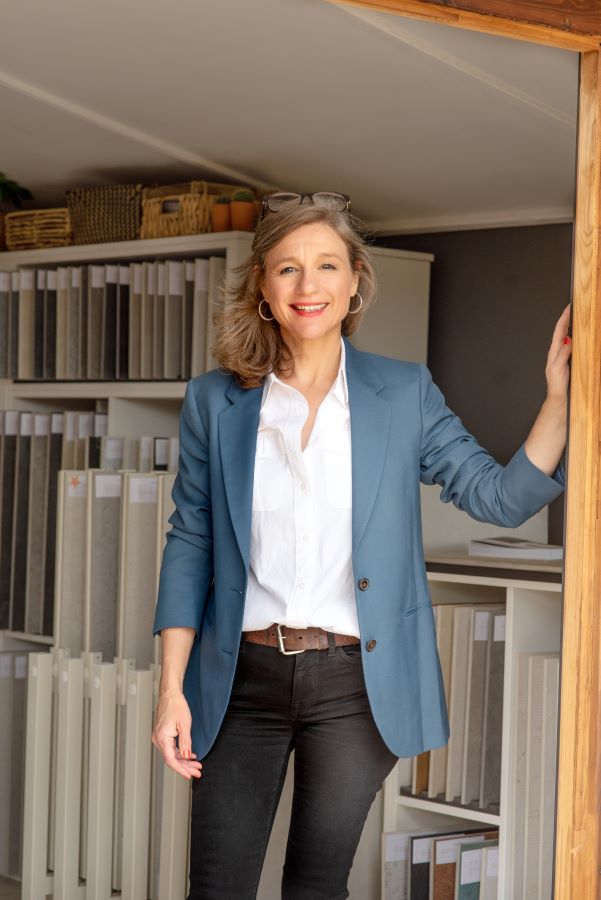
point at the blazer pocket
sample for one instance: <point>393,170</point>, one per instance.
<point>414,609</point>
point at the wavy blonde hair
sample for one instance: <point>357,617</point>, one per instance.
<point>245,344</point>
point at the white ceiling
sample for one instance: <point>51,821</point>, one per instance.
<point>426,127</point>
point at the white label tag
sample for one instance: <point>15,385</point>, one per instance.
<point>70,418</point>
<point>201,275</point>
<point>161,279</point>
<point>57,423</point>
<point>26,424</point>
<point>11,422</point>
<point>492,862</point>
<point>15,280</point>
<point>5,281</point>
<point>108,485</point>
<point>113,448</point>
<point>481,620</point>
<point>51,280</point>
<point>421,850</point>
<point>499,629</point>
<point>471,861</point>
<point>112,274</point>
<point>395,847</point>
<point>85,424</point>
<point>76,278</point>
<point>123,274</point>
<point>77,484</point>
<point>6,665</point>
<point>41,426</point>
<point>101,423</point>
<point>63,279</point>
<point>20,667</point>
<point>97,276</point>
<point>176,278</point>
<point>161,451</point>
<point>446,851</point>
<point>143,490</point>
<point>27,279</point>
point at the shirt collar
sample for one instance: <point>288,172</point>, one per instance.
<point>339,389</point>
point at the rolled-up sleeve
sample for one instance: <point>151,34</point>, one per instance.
<point>187,565</point>
<point>469,476</point>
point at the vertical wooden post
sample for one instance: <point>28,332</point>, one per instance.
<point>577,858</point>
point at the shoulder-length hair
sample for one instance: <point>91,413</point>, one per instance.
<point>245,344</point>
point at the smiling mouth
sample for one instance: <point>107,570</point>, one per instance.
<point>309,307</point>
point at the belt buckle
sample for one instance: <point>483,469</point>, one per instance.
<point>281,639</point>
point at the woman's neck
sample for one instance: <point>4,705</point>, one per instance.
<point>315,363</point>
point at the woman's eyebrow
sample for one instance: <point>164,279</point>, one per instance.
<point>282,259</point>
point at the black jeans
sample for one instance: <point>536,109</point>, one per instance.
<point>316,704</point>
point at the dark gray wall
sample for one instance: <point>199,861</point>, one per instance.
<point>495,297</point>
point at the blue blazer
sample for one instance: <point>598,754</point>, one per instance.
<point>401,432</point>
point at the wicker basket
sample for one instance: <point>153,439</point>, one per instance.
<point>106,213</point>
<point>37,228</point>
<point>175,209</point>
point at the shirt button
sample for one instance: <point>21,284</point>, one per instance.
<point>305,537</point>
<point>363,584</point>
<point>371,644</point>
<point>301,586</point>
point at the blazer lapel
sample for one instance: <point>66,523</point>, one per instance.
<point>370,428</point>
<point>238,425</point>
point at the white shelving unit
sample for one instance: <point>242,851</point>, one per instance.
<point>532,595</point>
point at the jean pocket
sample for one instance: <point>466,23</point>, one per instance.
<point>350,653</point>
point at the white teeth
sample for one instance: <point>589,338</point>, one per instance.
<point>311,308</point>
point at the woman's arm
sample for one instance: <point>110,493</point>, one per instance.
<point>547,439</point>
<point>173,717</point>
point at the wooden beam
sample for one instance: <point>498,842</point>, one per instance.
<point>516,28</point>
<point>577,858</point>
<point>577,16</point>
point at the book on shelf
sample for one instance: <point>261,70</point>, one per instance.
<point>445,857</point>
<point>509,547</point>
<point>469,869</point>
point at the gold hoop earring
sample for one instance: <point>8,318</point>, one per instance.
<point>265,319</point>
<point>352,312</point>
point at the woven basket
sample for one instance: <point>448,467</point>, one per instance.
<point>175,209</point>
<point>106,213</point>
<point>37,228</point>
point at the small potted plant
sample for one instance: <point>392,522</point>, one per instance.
<point>220,213</point>
<point>243,211</point>
<point>11,195</point>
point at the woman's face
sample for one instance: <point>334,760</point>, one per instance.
<point>309,282</point>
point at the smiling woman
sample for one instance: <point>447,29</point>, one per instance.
<point>321,260</point>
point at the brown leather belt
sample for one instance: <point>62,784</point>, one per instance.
<point>295,640</point>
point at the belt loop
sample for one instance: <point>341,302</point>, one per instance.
<point>331,643</point>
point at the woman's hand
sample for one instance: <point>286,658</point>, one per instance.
<point>557,370</point>
<point>173,720</point>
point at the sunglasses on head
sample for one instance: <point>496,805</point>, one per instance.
<point>327,199</point>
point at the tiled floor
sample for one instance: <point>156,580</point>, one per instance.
<point>9,889</point>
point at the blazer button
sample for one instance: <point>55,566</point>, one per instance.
<point>371,644</point>
<point>363,584</point>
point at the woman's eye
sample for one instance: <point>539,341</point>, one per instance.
<point>286,269</point>
<point>328,266</point>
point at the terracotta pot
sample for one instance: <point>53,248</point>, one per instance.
<point>221,217</point>
<point>243,215</point>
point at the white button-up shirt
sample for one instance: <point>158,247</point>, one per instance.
<point>300,571</point>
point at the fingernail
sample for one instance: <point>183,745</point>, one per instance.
<point>567,340</point>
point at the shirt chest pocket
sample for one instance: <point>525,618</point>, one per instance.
<point>272,483</point>
<point>338,471</point>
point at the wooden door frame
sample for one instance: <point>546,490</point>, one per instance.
<point>577,865</point>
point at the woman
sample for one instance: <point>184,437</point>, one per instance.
<point>293,603</point>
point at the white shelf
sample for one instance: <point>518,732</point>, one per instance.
<point>31,638</point>
<point>187,245</point>
<point>90,390</point>
<point>448,809</point>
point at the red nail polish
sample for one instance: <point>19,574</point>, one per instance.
<point>567,340</point>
